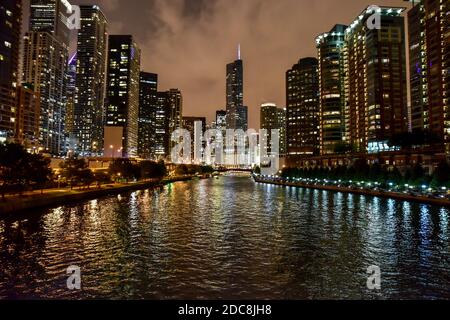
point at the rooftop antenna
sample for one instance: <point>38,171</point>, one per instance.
<point>239,51</point>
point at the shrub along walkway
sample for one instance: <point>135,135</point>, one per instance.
<point>56,197</point>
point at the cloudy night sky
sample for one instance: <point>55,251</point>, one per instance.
<point>189,42</point>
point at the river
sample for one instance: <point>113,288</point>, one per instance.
<point>228,238</point>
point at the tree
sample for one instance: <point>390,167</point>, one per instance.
<point>86,177</point>
<point>257,170</point>
<point>101,177</point>
<point>20,169</point>
<point>75,170</point>
<point>441,175</point>
<point>150,169</point>
<point>123,168</point>
<point>40,171</point>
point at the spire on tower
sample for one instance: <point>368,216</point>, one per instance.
<point>239,51</point>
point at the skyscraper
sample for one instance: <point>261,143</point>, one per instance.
<point>375,67</point>
<point>274,118</point>
<point>332,90</point>
<point>90,81</point>
<point>429,36</point>
<point>236,112</point>
<point>148,100</point>
<point>71,87</point>
<point>176,110</point>
<point>27,116</point>
<point>221,120</point>
<point>10,27</point>
<point>196,132</point>
<point>45,68</point>
<point>51,16</point>
<point>302,114</point>
<point>122,110</point>
<point>162,126</point>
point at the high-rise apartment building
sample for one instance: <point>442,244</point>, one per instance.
<point>89,111</point>
<point>51,16</point>
<point>45,69</point>
<point>28,109</point>
<point>274,118</point>
<point>429,52</point>
<point>148,99</point>
<point>332,90</point>
<point>122,103</point>
<point>175,110</point>
<point>162,126</point>
<point>71,87</point>
<point>302,108</point>
<point>10,28</point>
<point>375,73</point>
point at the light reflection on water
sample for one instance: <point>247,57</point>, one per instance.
<point>228,238</point>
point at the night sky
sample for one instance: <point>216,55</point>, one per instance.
<point>189,42</point>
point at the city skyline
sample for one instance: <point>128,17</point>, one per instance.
<point>193,60</point>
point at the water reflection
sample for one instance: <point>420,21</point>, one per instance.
<point>228,238</point>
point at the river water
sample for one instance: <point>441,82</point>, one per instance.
<point>228,238</point>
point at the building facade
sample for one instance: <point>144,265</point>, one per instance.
<point>274,118</point>
<point>51,16</point>
<point>89,111</point>
<point>162,126</point>
<point>196,132</point>
<point>10,28</point>
<point>148,99</point>
<point>221,120</point>
<point>332,90</point>
<point>27,117</point>
<point>237,113</point>
<point>45,68</point>
<point>302,108</point>
<point>375,73</point>
<point>429,51</point>
<point>122,102</point>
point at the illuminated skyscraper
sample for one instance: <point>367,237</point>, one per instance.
<point>71,87</point>
<point>176,109</point>
<point>45,67</point>
<point>51,16</point>
<point>429,52</point>
<point>375,73</point>
<point>302,114</point>
<point>10,27</point>
<point>273,118</point>
<point>28,109</point>
<point>162,126</point>
<point>90,82</point>
<point>148,100</point>
<point>122,109</point>
<point>237,114</point>
<point>221,120</point>
<point>332,89</point>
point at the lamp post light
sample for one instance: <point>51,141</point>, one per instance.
<point>111,147</point>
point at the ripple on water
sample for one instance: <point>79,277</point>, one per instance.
<point>228,238</point>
